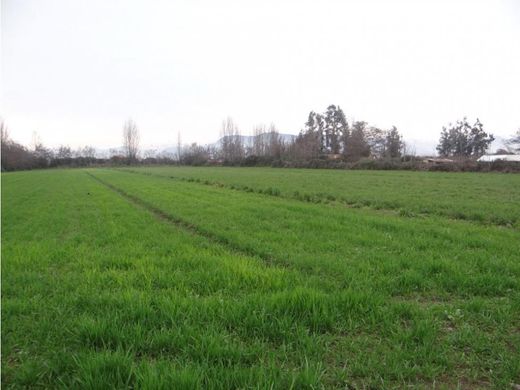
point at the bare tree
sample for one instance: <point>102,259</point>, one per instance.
<point>275,144</point>
<point>179,147</point>
<point>231,145</point>
<point>13,155</point>
<point>88,152</point>
<point>196,154</point>
<point>259,145</point>
<point>64,152</point>
<point>4,134</point>
<point>130,140</point>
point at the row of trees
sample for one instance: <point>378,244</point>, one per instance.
<point>329,134</point>
<point>266,143</point>
<point>326,136</point>
<point>16,156</point>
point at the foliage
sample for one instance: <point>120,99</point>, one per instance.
<point>464,140</point>
<point>514,141</point>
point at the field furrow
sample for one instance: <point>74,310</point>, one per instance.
<point>482,198</point>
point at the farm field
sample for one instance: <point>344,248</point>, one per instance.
<point>194,278</point>
<point>487,198</point>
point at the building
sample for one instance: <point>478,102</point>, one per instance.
<point>502,157</point>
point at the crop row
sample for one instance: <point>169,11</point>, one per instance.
<point>483,198</point>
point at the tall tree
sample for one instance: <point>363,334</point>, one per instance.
<point>444,146</point>
<point>131,140</point>
<point>311,124</point>
<point>376,139</point>
<point>479,139</point>
<point>275,145</point>
<point>259,141</point>
<point>356,145</point>
<point>394,143</point>
<point>179,147</point>
<point>320,133</point>
<point>335,128</point>
<point>231,145</point>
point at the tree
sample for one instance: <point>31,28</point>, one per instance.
<point>42,155</point>
<point>14,155</point>
<point>464,140</point>
<point>4,134</point>
<point>356,145</point>
<point>130,141</point>
<point>195,155</point>
<point>259,142</point>
<point>313,138</point>
<point>444,146</point>
<point>320,133</point>
<point>376,140</point>
<point>179,147</point>
<point>275,145</point>
<point>231,145</point>
<point>479,140</point>
<point>394,143</point>
<point>88,152</point>
<point>64,152</point>
<point>514,141</point>
<point>336,128</point>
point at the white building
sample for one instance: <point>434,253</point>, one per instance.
<point>503,157</point>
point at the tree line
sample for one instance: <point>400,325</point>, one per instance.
<point>326,137</point>
<point>326,140</point>
<point>16,156</point>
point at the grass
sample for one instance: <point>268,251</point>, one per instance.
<point>117,280</point>
<point>490,198</point>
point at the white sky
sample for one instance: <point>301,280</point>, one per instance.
<point>74,71</point>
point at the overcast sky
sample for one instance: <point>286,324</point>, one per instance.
<point>75,70</point>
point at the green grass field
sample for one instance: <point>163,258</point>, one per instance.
<point>486,198</point>
<point>238,278</point>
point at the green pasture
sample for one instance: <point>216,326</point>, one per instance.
<point>257,278</point>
